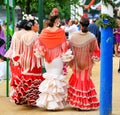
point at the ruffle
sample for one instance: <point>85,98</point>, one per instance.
<point>9,53</point>
<point>82,94</point>
<point>24,88</point>
<point>53,92</point>
<point>51,54</point>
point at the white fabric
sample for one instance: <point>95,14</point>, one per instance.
<point>54,88</point>
<point>107,9</point>
<point>71,29</point>
<point>2,70</point>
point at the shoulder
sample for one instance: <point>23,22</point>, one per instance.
<point>29,34</point>
<point>43,30</point>
<point>74,35</point>
<point>61,30</point>
<point>91,34</point>
<point>15,34</point>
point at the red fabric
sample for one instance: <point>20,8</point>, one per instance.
<point>52,44</point>
<point>84,16</point>
<point>96,52</point>
<point>16,58</point>
<point>24,87</point>
<point>52,39</point>
<point>81,92</point>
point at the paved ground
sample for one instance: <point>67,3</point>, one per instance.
<point>8,108</point>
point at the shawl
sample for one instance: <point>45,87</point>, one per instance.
<point>28,60</point>
<point>13,51</point>
<point>83,46</point>
<point>52,39</point>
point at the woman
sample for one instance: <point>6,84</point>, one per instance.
<point>15,43</point>
<point>81,91</point>
<point>25,67</point>
<point>53,44</point>
<point>117,38</point>
<point>2,52</point>
<point>2,42</point>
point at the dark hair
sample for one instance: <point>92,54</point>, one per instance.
<point>29,24</point>
<point>118,17</point>
<point>52,20</point>
<point>21,24</point>
<point>84,22</point>
<point>3,58</point>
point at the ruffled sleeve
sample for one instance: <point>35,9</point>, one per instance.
<point>11,50</point>
<point>96,52</point>
<point>39,50</point>
<point>50,54</point>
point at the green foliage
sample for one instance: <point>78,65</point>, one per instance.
<point>1,2</point>
<point>62,5</point>
<point>111,21</point>
<point>48,5</point>
<point>72,2</point>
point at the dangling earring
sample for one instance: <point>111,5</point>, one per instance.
<point>58,24</point>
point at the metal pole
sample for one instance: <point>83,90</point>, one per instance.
<point>40,14</point>
<point>7,47</point>
<point>106,70</point>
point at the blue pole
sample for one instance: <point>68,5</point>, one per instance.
<point>106,70</point>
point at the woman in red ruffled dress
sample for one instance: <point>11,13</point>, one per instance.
<point>25,67</point>
<point>53,44</point>
<point>81,92</point>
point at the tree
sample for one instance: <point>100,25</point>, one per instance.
<point>1,2</point>
<point>31,7</point>
<point>28,6</point>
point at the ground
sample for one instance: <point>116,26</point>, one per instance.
<point>8,108</point>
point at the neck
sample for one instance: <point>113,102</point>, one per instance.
<point>54,28</point>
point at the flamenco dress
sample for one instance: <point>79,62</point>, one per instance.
<point>26,71</point>
<point>54,88</point>
<point>81,92</point>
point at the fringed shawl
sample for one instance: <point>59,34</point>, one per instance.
<point>15,44</point>
<point>52,39</point>
<point>54,43</point>
<point>83,45</point>
<point>27,58</point>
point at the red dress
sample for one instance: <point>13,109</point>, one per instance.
<point>24,88</point>
<point>26,70</point>
<point>81,91</point>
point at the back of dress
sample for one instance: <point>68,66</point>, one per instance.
<point>83,46</point>
<point>27,58</point>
